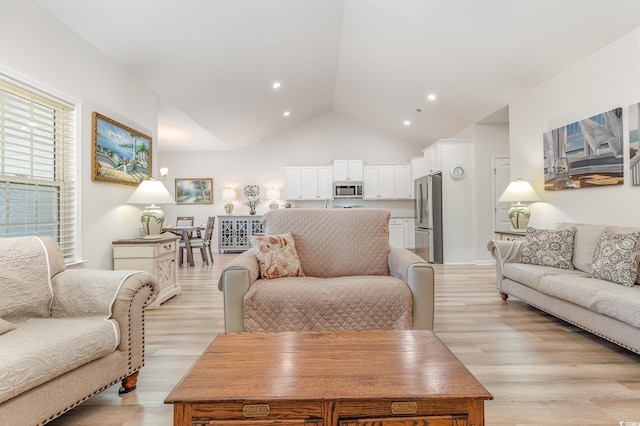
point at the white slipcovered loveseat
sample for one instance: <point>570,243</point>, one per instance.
<point>584,274</point>
<point>65,334</point>
<point>352,278</point>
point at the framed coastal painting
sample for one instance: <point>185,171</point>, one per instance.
<point>194,191</point>
<point>120,154</point>
<point>586,153</point>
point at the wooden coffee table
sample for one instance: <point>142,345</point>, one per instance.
<point>328,378</point>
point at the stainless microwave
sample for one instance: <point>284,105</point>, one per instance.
<point>348,189</point>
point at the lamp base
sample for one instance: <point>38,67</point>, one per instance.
<point>519,216</point>
<point>273,205</point>
<point>152,220</point>
<point>228,207</point>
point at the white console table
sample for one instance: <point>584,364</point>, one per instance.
<point>234,232</point>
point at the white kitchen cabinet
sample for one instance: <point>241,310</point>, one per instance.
<point>409,233</point>
<point>293,183</point>
<point>396,232</point>
<point>317,182</point>
<point>308,182</point>
<point>325,182</point>
<point>346,170</point>
<point>403,185</point>
<point>417,168</point>
<point>372,183</point>
<point>433,158</point>
<point>387,182</point>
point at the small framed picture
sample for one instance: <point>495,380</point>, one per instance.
<point>194,191</point>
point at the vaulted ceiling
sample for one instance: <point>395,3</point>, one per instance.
<point>213,62</point>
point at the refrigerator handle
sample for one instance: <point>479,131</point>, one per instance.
<point>420,203</point>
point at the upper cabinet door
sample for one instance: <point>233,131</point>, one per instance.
<point>325,182</point>
<point>340,170</point>
<point>292,183</point>
<point>310,183</point>
<point>356,170</point>
<point>370,181</point>
<point>346,170</point>
<point>386,182</point>
<point>403,183</point>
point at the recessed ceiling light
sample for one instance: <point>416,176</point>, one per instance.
<point>432,97</point>
<point>407,123</point>
<point>276,85</point>
<point>286,113</point>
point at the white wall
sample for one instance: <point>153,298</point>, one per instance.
<point>54,57</point>
<point>490,140</point>
<point>608,79</point>
<point>317,141</point>
<point>457,201</point>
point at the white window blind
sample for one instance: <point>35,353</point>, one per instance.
<point>37,166</point>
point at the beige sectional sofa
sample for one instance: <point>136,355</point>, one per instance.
<point>352,278</point>
<point>65,334</point>
<point>598,291</point>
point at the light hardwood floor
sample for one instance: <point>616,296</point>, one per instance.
<point>540,370</point>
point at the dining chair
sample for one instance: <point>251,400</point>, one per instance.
<point>204,243</point>
<point>184,221</point>
<point>208,234</point>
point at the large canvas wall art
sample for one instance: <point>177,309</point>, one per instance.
<point>587,153</point>
<point>634,143</point>
<point>120,153</point>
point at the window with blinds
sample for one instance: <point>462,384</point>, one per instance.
<point>37,166</point>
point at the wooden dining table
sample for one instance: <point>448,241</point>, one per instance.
<point>185,232</point>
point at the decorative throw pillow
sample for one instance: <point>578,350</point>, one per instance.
<point>277,256</point>
<point>5,326</point>
<point>549,248</point>
<point>616,257</point>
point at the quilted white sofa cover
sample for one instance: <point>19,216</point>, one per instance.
<point>353,279</point>
<point>604,308</point>
<point>77,331</point>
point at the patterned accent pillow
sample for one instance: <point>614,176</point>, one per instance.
<point>616,257</point>
<point>549,248</point>
<point>277,256</point>
<point>6,326</point>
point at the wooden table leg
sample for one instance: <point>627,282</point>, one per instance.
<point>187,246</point>
<point>476,412</point>
<point>182,415</point>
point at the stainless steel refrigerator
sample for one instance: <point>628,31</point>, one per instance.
<point>428,209</point>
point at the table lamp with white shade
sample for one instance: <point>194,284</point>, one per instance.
<point>230,195</point>
<point>273,194</point>
<point>519,190</point>
<point>150,193</point>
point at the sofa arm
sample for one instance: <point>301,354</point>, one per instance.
<point>234,282</point>
<point>504,252</point>
<point>119,295</point>
<point>87,292</point>
<point>419,276</point>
